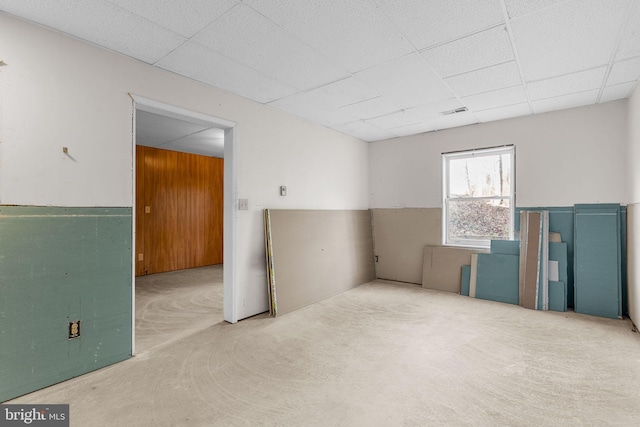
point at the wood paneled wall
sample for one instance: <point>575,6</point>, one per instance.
<point>179,210</point>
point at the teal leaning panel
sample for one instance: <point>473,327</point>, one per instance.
<point>59,265</point>
<point>465,280</point>
<point>558,252</point>
<point>623,259</point>
<point>497,278</point>
<point>505,247</point>
<point>557,296</point>
<point>598,260</point>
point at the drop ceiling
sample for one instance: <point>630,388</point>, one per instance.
<point>375,69</point>
<point>185,135</point>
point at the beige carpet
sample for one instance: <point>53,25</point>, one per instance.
<point>383,354</point>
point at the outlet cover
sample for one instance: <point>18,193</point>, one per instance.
<point>243,204</point>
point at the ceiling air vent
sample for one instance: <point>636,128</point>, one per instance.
<point>456,111</point>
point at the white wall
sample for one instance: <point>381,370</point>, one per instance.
<point>633,242</point>
<point>57,91</point>
<point>562,158</point>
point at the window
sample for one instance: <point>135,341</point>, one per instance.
<point>478,196</point>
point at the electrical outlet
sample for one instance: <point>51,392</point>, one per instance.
<point>74,329</point>
<point>243,204</point>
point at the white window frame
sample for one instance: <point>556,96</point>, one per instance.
<point>446,158</point>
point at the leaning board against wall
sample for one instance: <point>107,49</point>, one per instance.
<point>315,254</point>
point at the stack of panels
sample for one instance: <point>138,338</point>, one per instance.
<point>493,276</point>
<point>558,276</point>
<point>534,260</point>
<point>546,263</point>
<point>561,229</point>
<point>518,272</point>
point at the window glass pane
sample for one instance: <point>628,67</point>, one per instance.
<point>478,220</point>
<point>480,176</point>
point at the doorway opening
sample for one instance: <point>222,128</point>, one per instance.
<point>187,133</point>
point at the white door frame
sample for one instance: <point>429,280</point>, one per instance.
<point>230,310</point>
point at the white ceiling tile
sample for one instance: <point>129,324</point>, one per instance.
<point>624,71</point>
<point>427,23</point>
<point>394,120</point>
<point>153,136</point>
<point>168,125</point>
<point>353,33</point>
<point>212,133</point>
<point>416,115</point>
<point>567,101</point>
<point>371,108</point>
<point>497,98</point>
<point>436,123</point>
<point>102,23</point>
<point>345,92</point>
<point>195,148</point>
<point>613,93</point>
<point>453,120</point>
<point>481,50</point>
<point>516,8</point>
<point>571,36</point>
<point>412,129</point>
<point>313,106</point>
<point>199,63</point>
<point>365,131</point>
<point>564,85</point>
<point>171,14</point>
<point>251,39</point>
<point>504,112</point>
<point>630,44</point>
<point>485,80</point>
<point>202,140</point>
<point>408,81</point>
<point>436,109</point>
<point>323,104</point>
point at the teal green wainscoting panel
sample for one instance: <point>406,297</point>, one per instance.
<point>505,247</point>
<point>598,260</point>
<point>466,280</point>
<point>59,265</point>
<point>558,252</point>
<point>497,278</point>
<point>623,258</point>
<point>560,221</point>
<point>557,296</point>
